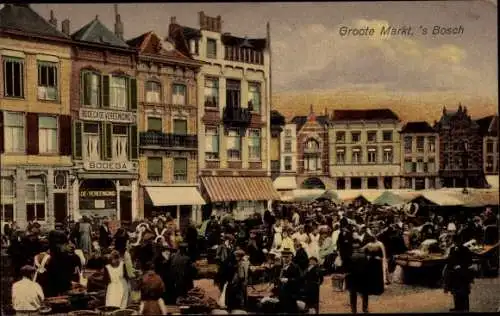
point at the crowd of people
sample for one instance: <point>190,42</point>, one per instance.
<point>297,243</point>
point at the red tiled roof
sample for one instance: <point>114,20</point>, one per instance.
<point>364,115</point>
<point>149,44</point>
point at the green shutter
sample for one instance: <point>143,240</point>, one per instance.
<point>84,88</point>
<point>105,92</point>
<point>102,140</point>
<point>132,94</point>
<point>109,141</point>
<point>77,140</point>
<point>134,149</point>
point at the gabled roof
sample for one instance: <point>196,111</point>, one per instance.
<point>150,44</point>
<point>417,128</point>
<point>21,17</point>
<point>488,125</point>
<point>364,115</point>
<point>98,33</point>
<point>300,121</point>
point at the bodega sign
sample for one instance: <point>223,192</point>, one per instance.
<point>108,166</point>
<point>107,116</point>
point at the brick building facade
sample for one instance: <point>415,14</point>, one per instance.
<point>460,150</point>
<point>104,112</point>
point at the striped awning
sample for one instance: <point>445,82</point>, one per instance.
<point>227,189</point>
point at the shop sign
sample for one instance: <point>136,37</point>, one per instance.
<point>108,116</point>
<point>108,165</point>
<point>95,194</point>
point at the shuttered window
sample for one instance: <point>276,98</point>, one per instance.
<point>91,83</point>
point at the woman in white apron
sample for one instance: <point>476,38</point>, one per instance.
<point>313,247</point>
<point>40,276</point>
<point>278,229</point>
<point>117,293</point>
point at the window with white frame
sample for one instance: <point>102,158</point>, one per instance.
<point>211,92</point>
<point>153,92</point>
<point>180,170</point>
<point>356,155</point>
<point>155,169</point>
<point>154,124</point>
<point>36,198</point>
<point>91,85</point>
<point>340,155</point>
<point>233,93</point>
<point>420,144</point>
<point>211,142</point>
<point>194,46</point>
<point>254,144</point>
<point>340,137</point>
<point>14,137</point>
<point>312,162</point>
<point>372,155</point>
<point>118,93</point>
<point>13,77</point>
<point>288,163</point>
<point>47,80</point>
<point>7,194</point>
<point>312,145</point>
<point>233,144</point>
<point>387,136</point>
<point>91,143</point>
<point>47,134</point>
<point>408,143</point>
<point>420,165</point>
<point>371,136</point>
<point>288,146</point>
<point>254,97</point>
<point>431,144</point>
<point>355,137</point>
<point>178,94</point>
<point>288,132</point>
<point>388,155</point>
<point>120,143</point>
<point>431,165</point>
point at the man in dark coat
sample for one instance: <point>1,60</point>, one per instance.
<point>288,284</point>
<point>224,258</point>
<point>182,271</point>
<point>313,278</point>
<point>192,241</point>
<point>104,235</point>
<point>236,292</point>
<point>458,275</point>
<point>300,259</point>
<point>345,243</point>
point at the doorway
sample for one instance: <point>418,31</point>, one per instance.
<point>126,206</point>
<point>60,207</point>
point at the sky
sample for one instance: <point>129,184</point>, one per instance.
<point>309,56</point>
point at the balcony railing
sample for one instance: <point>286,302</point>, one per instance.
<point>236,116</point>
<point>162,140</point>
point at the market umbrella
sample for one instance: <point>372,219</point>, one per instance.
<point>389,198</point>
<point>330,195</point>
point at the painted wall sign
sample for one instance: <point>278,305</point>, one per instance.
<point>91,194</point>
<point>108,116</point>
<point>109,166</point>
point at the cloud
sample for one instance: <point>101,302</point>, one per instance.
<point>389,63</point>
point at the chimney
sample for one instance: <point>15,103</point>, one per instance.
<point>219,24</point>
<point>53,20</point>
<point>202,19</point>
<point>173,20</point>
<point>118,24</point>
<point>65,26</point>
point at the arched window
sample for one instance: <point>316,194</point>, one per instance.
<point>312,145</point>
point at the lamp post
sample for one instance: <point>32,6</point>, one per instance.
<point>465,164</point>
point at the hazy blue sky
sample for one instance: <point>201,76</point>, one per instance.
<point>309,53</point>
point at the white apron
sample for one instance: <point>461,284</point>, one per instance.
<point>40,266</point>
<point>277,237</point>
<point>117,292</point>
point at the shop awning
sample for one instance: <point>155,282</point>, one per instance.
<point>492,181</point>
<point>441,198</point>
<point>303,195</point>
<point>178,195</point>
<point>227,189</point>
<point>285,183</point>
